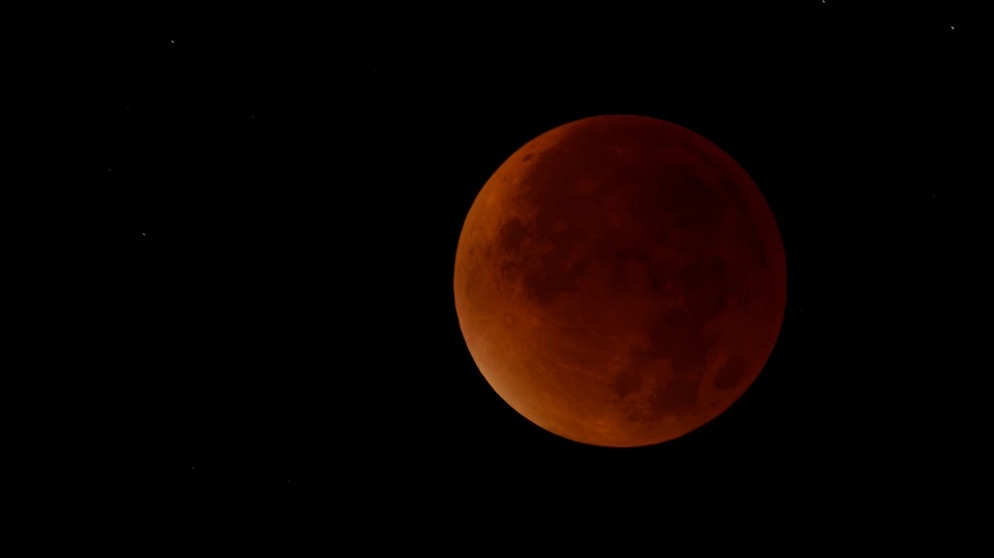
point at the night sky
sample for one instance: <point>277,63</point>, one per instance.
<point>228,240</point>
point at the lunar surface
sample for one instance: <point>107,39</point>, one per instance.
<point>620,281</point>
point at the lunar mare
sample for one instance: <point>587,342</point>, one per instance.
<point>620,281</point>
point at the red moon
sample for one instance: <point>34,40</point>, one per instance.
<point>620,281</point>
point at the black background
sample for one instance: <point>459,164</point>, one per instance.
<point>228,240</point>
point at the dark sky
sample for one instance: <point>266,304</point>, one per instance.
<point>228,241</point>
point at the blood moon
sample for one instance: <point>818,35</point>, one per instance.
<point>620,281</point>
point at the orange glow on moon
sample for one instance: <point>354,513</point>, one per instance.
<point>620,281</point>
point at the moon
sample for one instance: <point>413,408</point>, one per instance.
<point>620,281</point>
